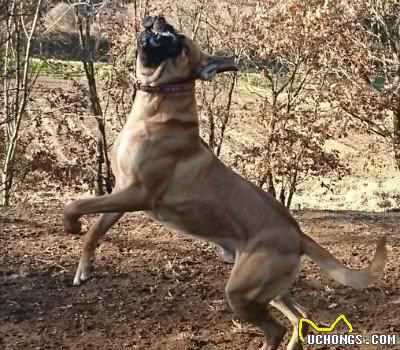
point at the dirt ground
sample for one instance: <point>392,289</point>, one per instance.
<point>155,289</point>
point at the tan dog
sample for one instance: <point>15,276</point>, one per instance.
<point>162,167</point>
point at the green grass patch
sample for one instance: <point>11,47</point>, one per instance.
<point>67,70</point>
<point>253,82</point>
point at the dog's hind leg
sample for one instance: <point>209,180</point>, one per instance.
<point>226,253</point>
<point>257,278</point>
<point>98,230</point>
<point>294,312</point>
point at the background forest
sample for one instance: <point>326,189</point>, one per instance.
<point>313,116</point>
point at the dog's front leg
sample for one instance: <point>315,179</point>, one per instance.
<point>98,230</point>
<point>133,198</point>
<point>113,207</point>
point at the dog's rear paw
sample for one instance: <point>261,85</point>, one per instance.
<point>82,275</point>
<point>226,254</point>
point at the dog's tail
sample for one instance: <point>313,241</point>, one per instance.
<point>339,272</point>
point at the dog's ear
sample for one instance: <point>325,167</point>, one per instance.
<point>211,65</point>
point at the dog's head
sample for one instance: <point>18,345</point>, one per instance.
<point>168,57</point>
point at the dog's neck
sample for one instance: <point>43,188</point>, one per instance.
<point>179,87</point>
<point>160,99</point>
<point>165,107</point>
<point>158,81</point>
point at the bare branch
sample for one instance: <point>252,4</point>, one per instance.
<point>376,129</point>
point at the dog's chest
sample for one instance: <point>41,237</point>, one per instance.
<point>196,219</point>
<point>167,216</point>
<point>130,150</point>
<point>173,220</point>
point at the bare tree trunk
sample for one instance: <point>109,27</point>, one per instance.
<point>196,24</point>
<point>270,183</point>
<point>101,147</point>
<point>5,193</point>
<point>5,172</point>
<point>211,135</point>
<point>268,179</point>
<point>292,189</point>
<point>227,115</point>
<point>396,138</point>
<point>21,89</point>
<point>282,196</point>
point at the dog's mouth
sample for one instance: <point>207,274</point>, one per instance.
<point>158,41</point>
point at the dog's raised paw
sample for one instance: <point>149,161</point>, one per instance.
<point>72,226</point>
